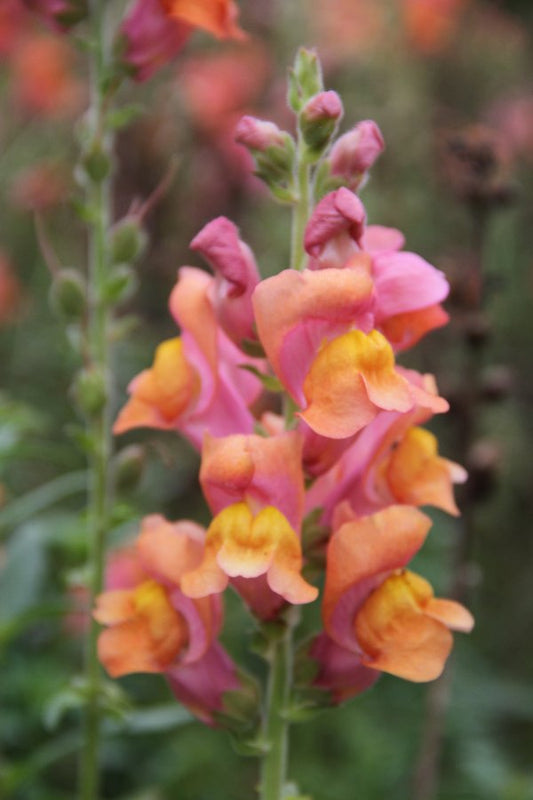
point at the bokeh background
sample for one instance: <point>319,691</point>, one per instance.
<point>449,83</point>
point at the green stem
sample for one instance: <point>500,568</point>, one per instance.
<point>99,425</point>
<point>301,209</point>
<point>275,725</point>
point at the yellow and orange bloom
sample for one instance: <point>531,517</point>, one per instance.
<point>240,544</point>
<point>377,615</point>
<point>254,486</point>
<point>392,461</point>
<point>151,626</point>
<point>415,474</point>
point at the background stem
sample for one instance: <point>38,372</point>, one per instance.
<point>98,195</point>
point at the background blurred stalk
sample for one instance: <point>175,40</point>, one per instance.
<point>99,201</point>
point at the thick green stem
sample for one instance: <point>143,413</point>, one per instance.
<point>98,196</point>
<point>300,214</point>
<point>275,725</point>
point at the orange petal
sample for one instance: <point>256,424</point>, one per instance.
<point>162,393</point>
<point>395,633</point>
<point>169,549</point>
<point>451,613</point>
<point>192,309</point>
<point>208,578</point>
<point>169,386</point>
<point>136,414</point>
<point>366,547</point>
<point>288,299</point>
<point>418,476</point>
<point>114,606</point>
<point>126,648</point>
<point>405,330</point>
<point>218,17</point>
<point>247,546</point>
<point>350,380</point>
<point>241,545</point>
<point>147,642</point>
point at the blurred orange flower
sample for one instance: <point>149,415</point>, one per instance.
<point>218,17</point>
<point>429,24</point>
<point>43,78</point>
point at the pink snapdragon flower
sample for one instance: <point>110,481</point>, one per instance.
<point>154,31</point>
<point>335,229</point>
<point>316,328</point>
<point>354,153</point>
<point>236,276</point>
<point>407,289</point>
<point>151,38</point>
<point>197,382</point>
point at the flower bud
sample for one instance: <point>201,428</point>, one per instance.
<point>259,134</point>
<point>319,118</point>
<point>68,294</point>
<point>305,79</point>
<point>90,392</point>
<point>96,163</point>
<point>353,154</point>
<point>128,241</point>
<point>273,151</point>
<point>129,467</point>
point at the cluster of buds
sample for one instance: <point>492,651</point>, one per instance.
<point>330,477</point>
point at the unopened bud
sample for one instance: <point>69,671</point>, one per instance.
<point>273,151</point>
<point>305,79</point>
<point>259,134</point>
<point>68,294</point>
<point>353,154</point>
<point>90,391</point>
<point>129,467</point>
<point>319,118</point>
<point>128,241</point>
<point>96,163</point>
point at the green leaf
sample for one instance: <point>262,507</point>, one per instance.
<point>154,719</point>
<point>122,117</point>
<point>252,348</point>
<point>270,383</point>
<point>23,574</point>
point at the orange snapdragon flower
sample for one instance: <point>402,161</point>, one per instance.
<point>218,17</point>
<point>43,78</point>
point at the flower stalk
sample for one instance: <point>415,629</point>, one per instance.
<point>98,417</point>
<point>275,724</point>
<point>301,208</point>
